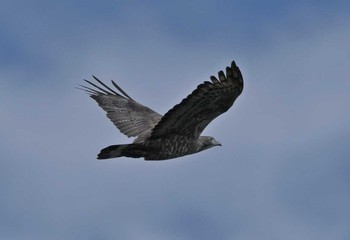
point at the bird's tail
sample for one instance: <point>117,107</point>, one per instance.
<point>123,150</point>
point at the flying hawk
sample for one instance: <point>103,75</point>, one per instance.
<point>178,132</point>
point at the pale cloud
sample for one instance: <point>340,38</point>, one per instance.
<point>279,173</point>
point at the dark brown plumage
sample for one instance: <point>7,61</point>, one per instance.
<point>175,134</point>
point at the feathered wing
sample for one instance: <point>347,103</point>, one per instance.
<point>208,101</point>
<point>129,116</point>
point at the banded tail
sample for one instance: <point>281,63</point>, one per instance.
<point>122,150</point>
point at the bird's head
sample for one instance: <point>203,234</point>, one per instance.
<point>206,142</point>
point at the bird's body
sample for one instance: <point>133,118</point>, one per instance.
<point>175,134</point>
<point>160,149</point>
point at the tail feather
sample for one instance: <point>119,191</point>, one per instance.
<point>123,150</point>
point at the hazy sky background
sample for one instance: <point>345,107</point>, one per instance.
<point>283,170</point>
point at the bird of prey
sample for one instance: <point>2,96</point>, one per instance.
<point>178,132</point>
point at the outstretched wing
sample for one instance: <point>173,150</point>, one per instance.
<point>129,116</point>
<point>209,100</point>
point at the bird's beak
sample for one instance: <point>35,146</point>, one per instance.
<point>218,144</point>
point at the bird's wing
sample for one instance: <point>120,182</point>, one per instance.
<point>209,100</point>
<point>129,116</point>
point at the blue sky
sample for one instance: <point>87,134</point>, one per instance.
<point>283,170</point>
